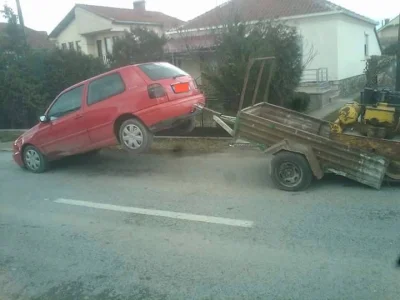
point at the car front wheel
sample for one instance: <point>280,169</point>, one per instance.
<point>135,137</point>
<point>34,160</point>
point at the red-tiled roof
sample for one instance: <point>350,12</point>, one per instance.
<point>130,15</point>
<point>252,10</point>
<point>36,39</point>
<point>181,44</point>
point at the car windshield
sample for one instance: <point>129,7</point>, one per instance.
<point>199,150</point>
<point>157,71</point>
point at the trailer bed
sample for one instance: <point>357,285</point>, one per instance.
<point>268,125</point>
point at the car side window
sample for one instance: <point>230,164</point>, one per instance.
<point>105,87</point>
<point>68,102</point>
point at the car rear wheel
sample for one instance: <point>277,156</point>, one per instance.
<point>291,172</point>
<point>135,137</point>
<point>34,160</point>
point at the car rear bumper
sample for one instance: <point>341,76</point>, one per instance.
<point>173,122</point>
<point>172,113</point>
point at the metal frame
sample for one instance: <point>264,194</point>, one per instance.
<point>260,73</point>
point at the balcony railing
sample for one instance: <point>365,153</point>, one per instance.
<point>318,77</point>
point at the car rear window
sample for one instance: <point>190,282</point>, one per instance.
<point>157,71</point>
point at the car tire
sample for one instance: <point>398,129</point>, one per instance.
<point>186,126</point>
<point>34,160</point>
<point>135,137</point>
<point>291,172</point>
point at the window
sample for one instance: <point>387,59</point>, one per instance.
<point>157,71</point>
<point>108,45</point>
<point>105,87</point>
<point>71,45</point>
<point>366,46</point>
<point>66,103</point>
<point>64,46</point>
<point>99,49</point>
<point>78,46</point>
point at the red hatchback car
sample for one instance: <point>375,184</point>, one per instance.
<point>125,106</point>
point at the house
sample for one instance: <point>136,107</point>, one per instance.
<point>35,39</point>
<point>340,39</point>
<point>94,29</point>
<point>389,32</point>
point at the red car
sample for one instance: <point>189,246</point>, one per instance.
<point>125,106</point>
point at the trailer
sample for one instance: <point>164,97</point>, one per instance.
<point>305,148</point>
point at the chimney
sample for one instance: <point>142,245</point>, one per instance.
<point>387,21</point>
<point>139,5</point>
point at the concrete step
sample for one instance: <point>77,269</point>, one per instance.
<point>335,94</point>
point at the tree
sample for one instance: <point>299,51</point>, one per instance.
<point>379,71</point>
<point>138,46</point>
<point>13,38</point>
<point>237,43</point>
<point>31,79</point>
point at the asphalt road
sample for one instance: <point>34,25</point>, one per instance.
<point>338,240</point>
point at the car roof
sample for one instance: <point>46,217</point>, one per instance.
<point>109,72</point>
<point>105,74</point>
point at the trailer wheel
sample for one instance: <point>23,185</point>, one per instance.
<point>291,172</point>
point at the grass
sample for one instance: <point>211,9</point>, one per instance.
<point>9,136</point>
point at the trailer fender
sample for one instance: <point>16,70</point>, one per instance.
<point>295,147</point>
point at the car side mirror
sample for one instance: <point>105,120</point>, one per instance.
<point>44,119</point>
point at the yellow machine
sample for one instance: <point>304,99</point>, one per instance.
<point>381,115</point>
<point>376,116</point>
<point>348,115</point>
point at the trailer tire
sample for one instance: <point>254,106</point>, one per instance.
<point>291,172</point>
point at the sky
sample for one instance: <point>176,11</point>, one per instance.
<point>44,15</point>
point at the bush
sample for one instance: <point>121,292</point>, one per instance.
<point>31,79</point>
<point>300,101</point>
<point>380,70</point>
<point>138,46</point>
<point>237,44</point>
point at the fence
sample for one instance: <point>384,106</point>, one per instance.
<point>319,77</point>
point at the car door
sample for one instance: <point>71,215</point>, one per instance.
<point>65,132</point>
<point>105,97</point>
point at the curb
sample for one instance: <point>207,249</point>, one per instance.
<point>177,144</point>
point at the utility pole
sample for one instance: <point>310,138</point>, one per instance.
<point>21,19</point>
<point>398,61</point>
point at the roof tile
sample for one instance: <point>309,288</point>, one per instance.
<point>36,39</point>
<point>252,10</point>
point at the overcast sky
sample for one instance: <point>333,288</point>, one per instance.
<point>46,14</point>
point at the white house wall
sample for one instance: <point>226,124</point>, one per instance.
<point>320,35</point>
<point>351,41</point>
<point>70,34</point>
<point>89,22</point>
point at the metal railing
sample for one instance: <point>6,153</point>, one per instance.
<point>315,75</point>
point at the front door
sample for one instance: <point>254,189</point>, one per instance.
<point>65,133</point>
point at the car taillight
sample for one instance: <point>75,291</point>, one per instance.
<point>156,91</point>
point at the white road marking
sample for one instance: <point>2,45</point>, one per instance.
<point>159,213</point>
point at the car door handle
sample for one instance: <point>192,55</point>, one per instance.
<point>78,117</point>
